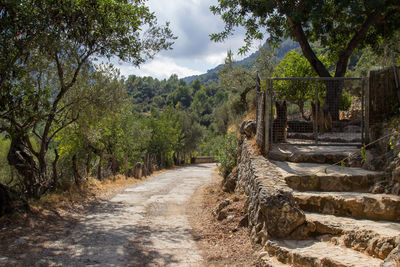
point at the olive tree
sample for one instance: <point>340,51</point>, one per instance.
<point>44,47</point>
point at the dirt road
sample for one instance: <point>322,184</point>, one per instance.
<point>146,225</point>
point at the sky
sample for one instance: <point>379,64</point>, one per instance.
<point>193,53</point>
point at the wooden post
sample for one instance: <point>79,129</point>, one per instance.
<point>267,119</point>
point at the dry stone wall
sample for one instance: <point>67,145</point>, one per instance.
<point>271,208</point>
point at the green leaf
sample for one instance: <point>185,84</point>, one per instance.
<point>342,164</point>
<point>326,170</point>
<point>363,154</point>
<point>391,144</point>
<point>263,85</point>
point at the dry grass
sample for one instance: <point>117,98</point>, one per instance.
<point>251,115</point>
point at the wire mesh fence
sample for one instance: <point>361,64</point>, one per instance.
<point>317,111</point>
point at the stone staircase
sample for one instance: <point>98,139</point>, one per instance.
<point>350,226</point>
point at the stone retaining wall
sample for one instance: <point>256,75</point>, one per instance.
<point>199,160</point>
<point>271,208</point>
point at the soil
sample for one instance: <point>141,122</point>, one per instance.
<point>223,242</point>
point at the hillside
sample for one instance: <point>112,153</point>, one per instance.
<point>211,76</point>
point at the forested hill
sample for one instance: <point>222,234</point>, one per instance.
<point>211,76</point>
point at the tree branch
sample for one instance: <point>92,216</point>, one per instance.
<point>62,127</point>
<point>315,63</point>
<point>341,66</point>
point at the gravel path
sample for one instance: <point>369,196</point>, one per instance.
<point>146,225</point>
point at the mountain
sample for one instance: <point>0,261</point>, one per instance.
<point>211,76</point>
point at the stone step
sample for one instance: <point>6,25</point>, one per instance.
<point>376,238</point>
<point>325,177</point>
<point>335,137</point>
<point>351,204</point>
<point>311,153</point>
<point>267,261</point>
<point>317,253</point>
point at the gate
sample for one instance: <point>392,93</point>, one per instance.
<point>315,111</point>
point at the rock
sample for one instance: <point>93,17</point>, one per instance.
<point>221,215</point>
<point>393,259</point>
<point>229,183</point>
<point>262,254</point>
<point>378,187</point>
<point>282,213</point>
<point>248,128</point>
<point>384,250</point>
<point>396,189</point>
<point>396,175</point>
<point>230,217</point>
<point>303,231</point>
<point>20,241</point>
<point>244,222</point>
<point>221,206</point>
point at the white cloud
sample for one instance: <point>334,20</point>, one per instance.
<point>193,52</point>
<point>160,67</point>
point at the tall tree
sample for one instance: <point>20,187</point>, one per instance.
<point>45,45</point>
<point>237,79</point>
<point>342,26</point>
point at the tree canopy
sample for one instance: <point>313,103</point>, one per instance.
<point>341,26</point>
<point>45,46</point>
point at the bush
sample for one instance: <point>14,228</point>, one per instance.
<point>226,154</point>
<point>345,101</point>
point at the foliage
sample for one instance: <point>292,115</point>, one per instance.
<point>46,46</point>
<point>226,153</point>
<point>5,169</point>
<point>345,101</point>
<point>382,55</point>
<point>166,134</point>
<point>296,91</point>
<point>237,79</point>
<point>340,27</point>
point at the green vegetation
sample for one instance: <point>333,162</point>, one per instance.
<point>65,120</point>
<point>340,27</point>
<point>47,80</point>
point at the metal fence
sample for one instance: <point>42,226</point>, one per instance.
<point>315,111</point>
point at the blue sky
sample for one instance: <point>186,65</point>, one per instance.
<point>193,52</point>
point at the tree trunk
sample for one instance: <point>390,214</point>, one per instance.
<point>99,174</point>
<point>88,159</point>
<point>114,166</point>
<point>332,98</point>
<point>77,176</point>
<point>22,160</point>
<point>126,167</point>
<point>243,96</point>
<point>55,173</point>
<point>5,200</point>
<point>301,107</point>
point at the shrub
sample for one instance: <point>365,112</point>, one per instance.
<point>226,154</point>
<point>345,101</point>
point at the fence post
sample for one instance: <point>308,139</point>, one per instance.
<point>316,112</point>
<point>362,112</point>
<point>367,110</point>
<point>260,129</point>
<point>267,107</point>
